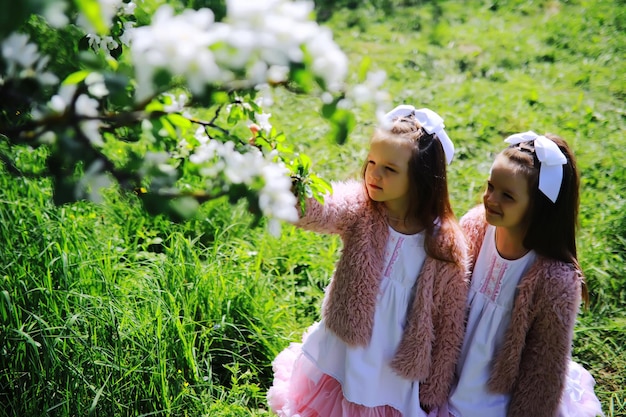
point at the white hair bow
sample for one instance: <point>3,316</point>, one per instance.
<point>430,121</point>
<point>551,158</point>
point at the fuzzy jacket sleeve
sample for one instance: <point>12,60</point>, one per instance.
<point>340,208</point>
<point>437,318</point>
<point>543,365</point>
<point>449,297</point>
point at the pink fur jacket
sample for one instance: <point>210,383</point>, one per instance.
<point>435,323</point>
<point>531,365</point>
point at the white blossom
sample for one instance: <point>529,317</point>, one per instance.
<point>92,182</point>
<point>91,129</point>
<point>276,200</point>
<point>157,161</point>
<point>262,120</point>
<point>60,101</point>
<point>369,92</point>
<point>129,8</point>
<point>258,39</point>
<point>266,98</point>
<point>177,103</point>
<point>95,85</point>
<point>55,14</point>
<point>179,44</point>
<point>18,52</point>
<point>47,78</point>
<point>23,60</point>
<point>47,138</point>
<point>201,135</point>
<point>86,106</point>
<point>277,73</point>
<point>108,9</point>
<point>125,37</point>
<point>104,43</point>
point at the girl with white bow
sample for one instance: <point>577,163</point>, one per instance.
<point>393,314</point>
<point>526,289</point>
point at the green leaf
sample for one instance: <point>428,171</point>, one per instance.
<point>364,67</point>
<point>76,77</point>
<point>8,312</point>
<point>179,120</point>
<point>171,130</point>
<point>28,338</point>
<point>304,160</point>
<point>236,114</point>
<point>94,403</point>
<point>304,79</point>
<point>220,97</point>
<point>321,185</point>
<point>342,123</point>
<point>255,107</point>
<point>329,109</point>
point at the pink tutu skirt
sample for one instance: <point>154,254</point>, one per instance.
<point>302,390</point>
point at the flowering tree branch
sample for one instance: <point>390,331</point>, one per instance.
<point>132,113</point>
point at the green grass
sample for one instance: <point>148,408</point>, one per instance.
<point>107,311</point>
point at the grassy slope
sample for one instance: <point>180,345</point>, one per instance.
<point>106,310</point>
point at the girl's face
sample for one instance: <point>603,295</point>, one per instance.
<point>386,172</point>
<point>506,198</point>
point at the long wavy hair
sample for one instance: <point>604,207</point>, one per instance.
<point>429,201</point>
<point>552,226</point>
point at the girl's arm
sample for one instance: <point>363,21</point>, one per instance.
<point>339,211</point>
<point>544,362</point>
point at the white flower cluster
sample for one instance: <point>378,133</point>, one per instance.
<point>109,9</point>
<point>254,44</point>
<point>369,91</point>
<point>276,200</point>
<point>86,107</point>
<point>273,33</point>
<point>23,60</point>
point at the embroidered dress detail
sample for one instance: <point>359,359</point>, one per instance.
<point>394,255</point>
<point>495,273</point>
<point>323,376</point>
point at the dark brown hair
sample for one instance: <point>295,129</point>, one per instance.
<point>429,201</point>
<point>552,226</point>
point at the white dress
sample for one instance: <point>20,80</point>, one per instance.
<point>363,372</point>
<point>490,299</point>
